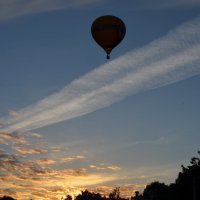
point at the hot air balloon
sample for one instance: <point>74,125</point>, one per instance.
<point>108,31</point>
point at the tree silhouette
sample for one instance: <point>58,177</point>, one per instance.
<point>137,196</point>
<point>186,186</point>
<point>156,191</point>
<point>68,197</point>
<point>188,181</point>
<point>86,195</point>
<point>115,194</point>
<point>6,198</point>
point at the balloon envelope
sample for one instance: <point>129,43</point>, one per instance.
<point>108,31</point>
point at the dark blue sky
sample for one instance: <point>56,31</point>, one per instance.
<point>88,122</point>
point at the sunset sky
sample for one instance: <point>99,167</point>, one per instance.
<point>72,120</point>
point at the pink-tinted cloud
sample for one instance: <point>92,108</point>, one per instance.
<point>67,159</point>
<point>13,138</point>
<point>34,135</point>
<point>12,113</point>
<point>30,150</point>
<point>103,167</point>
<point>8,136</point>
<point>29,174</point>
<point>2,141</point>
<point>45,161</point>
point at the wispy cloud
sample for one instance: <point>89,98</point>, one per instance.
<point>13,138</point>
<point>30,150</point>
<point>12,113</point>
<point>35,172</point>
<point>68,159</point>
<point>28,174</point>
<point>39,178</point>
<point>44,161</point>
<point>13,8</point>
<point>103,167</point>
<point>167,60</point>
<point>161,140</point>
<point>159,4</point>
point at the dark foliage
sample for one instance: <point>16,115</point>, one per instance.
<point>6,198</point>
<point>186,186</point>
<point>156,191</point>
<point>86,195</point>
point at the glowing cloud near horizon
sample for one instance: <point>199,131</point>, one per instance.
<point>167,60</point>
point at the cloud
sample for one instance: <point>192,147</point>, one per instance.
<point>103,167</point>
<point>30,150</point>
<point>12,113</point>
<point>114,168</point>
<point>44,161</point>
<point>8,136</point>
<point>34,135</point>
<point>36,179</point>
<point>67,159</point>
<point>39,177</point>
<point>159,4</point>
<point>60,149</point>
<point>26,177</point>
<point>8,162</point>
<point>2,141</point>
<point>163,4</point>
<point>13,8</point>
<point>8,192</point>
<point>165,61</point>
<point>14,138</point>
<point>161,140</point>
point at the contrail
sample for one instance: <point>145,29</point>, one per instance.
<point>11,9</point>
<point>167,60</point>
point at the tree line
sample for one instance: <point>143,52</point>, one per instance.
<point>185,187</point>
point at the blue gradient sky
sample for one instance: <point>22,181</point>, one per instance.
<point>70,119</point>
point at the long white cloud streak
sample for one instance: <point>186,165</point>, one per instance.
<point>164,61</point>
<point>13,8</point>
